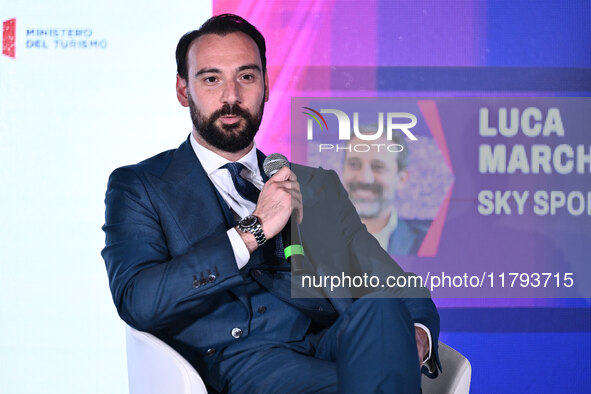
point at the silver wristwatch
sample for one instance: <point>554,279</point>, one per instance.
<point>252,224</point>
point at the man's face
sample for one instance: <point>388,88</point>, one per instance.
<point>372,178</point>
<point>225,90</point>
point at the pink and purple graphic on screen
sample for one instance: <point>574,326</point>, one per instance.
<point>396,49</point>
<point>425,48</point>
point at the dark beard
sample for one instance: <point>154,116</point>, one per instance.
<point>230,139</point>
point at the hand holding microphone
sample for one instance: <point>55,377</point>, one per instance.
<point>279,197</point>
<point>279,207</point>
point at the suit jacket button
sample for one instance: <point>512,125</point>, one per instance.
<point>210,352</point>
<point>196,283</point>
<point>236,332</point>
<point>262,309</point>
<point>211,277</point>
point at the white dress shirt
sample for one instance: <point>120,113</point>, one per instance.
<point>383,236</point>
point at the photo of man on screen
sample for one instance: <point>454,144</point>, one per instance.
<point>372,179</point>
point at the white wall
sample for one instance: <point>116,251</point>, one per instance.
<point>68,117</point>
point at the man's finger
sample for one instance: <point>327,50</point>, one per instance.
<point>283,174</point>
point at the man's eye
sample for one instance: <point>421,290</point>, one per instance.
<point>247,77</point>
<point>378,167</point>
<point>210,79</point>
<point>354,164</point>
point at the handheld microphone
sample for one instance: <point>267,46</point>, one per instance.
<point>293,249</point>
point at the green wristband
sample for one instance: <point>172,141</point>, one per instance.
<point>293,249</point>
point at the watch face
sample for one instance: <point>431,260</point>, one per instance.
<point>248,221</point>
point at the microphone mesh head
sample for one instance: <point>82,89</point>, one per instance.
<point>273,163</point>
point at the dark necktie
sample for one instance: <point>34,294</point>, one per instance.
<point>246,189</point>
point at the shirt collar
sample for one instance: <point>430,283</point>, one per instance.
<point>212,161</point>
<point>393,222</point>
<point>383,236</point>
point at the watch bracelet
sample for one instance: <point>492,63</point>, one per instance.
<point>259,235</point>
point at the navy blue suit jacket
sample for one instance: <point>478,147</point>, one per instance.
<point>408,236</point>
<point>171,267</point>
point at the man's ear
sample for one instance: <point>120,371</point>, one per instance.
<point>403,176</point>
<point>266,86</point>
<point>181,91</point>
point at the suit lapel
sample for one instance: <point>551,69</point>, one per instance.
<point>402,239</point>
<point>188,192</point>
<point>261,159</point>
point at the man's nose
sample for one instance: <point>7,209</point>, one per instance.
<point>231,94</point>
<point>366,175</point>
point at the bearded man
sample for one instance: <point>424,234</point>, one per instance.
<point>372,179</point>
<point>192,241</point>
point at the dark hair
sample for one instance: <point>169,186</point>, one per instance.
<point>402,156</point>
<point>221,25</point>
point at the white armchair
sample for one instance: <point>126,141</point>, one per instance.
<point>155,368</point>
<point>456,375</point>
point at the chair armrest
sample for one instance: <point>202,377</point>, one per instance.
<point>154,367</point>
<point>456,375</point>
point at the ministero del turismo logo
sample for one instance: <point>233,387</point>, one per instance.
<point>394,122</point>
<point>49,39</point>
<point>9,38</point>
